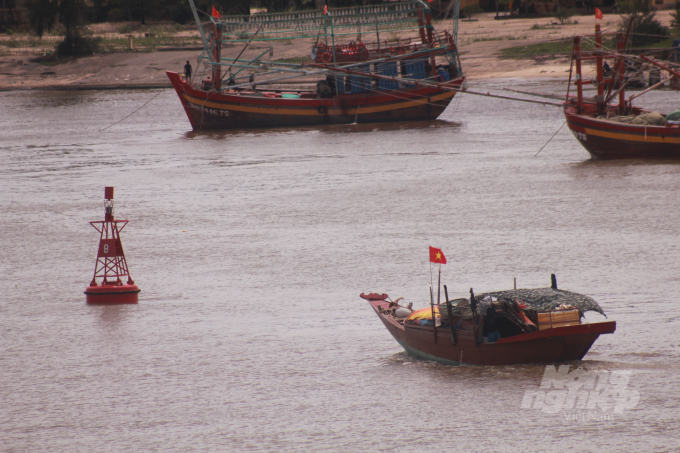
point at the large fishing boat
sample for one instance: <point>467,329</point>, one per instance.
<point>498,328</point>
<point>619,131</point>
<point>348,77</point>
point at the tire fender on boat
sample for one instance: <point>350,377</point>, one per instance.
<point>325,57</point>
<point>322,109</point>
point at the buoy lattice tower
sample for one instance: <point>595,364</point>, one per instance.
<point>111,268</point>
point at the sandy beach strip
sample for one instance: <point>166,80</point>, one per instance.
<point>479,41</point>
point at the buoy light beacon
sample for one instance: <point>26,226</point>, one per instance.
<point>111,267</point>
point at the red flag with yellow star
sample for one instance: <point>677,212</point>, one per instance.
<point>215,13</point>
<point>437,256</point>
<point>598,14</point>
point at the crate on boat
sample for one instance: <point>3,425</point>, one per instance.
<point>560,318</point>
<point>557,324</point>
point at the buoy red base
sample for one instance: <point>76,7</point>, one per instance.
<point>112,294</point>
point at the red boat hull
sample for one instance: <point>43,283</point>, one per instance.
<point>231,110</point>
<point>558,344</point>
<point>112,295</point>
<point>605,139</point>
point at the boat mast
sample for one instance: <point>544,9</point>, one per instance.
<point>421,23</point>
<point>620,69</point>
<point>449,309</point>
<point>620,66</point>
<point>216,54</point>
<point>430,40</point>
<point>579,79</point>
<point>598,70</point>
<point>456,18</point>
<point>434,324</point>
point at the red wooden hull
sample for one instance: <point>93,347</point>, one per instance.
<point>112,295</point>
<point>231,110</point>
<point>605,139</point>
<point>558,344</point>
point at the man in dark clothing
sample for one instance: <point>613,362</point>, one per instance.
<point>187,71</point>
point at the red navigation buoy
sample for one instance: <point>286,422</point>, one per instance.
<point>111,267</point>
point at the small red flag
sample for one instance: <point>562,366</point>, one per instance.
<point>598,14</point>
<point>325,9</point>
<point>215,13</point>
<point>437,256</point>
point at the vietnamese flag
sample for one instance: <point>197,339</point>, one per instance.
<point>325,9</point>
<point>437,256</point>
<point>215,13</point>
<point>598,14</point>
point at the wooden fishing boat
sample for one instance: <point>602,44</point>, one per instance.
<point>395,79</point>
<point>623,131</point>
<point>499,328</point>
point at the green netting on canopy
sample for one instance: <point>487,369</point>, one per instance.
<point>545,299</point>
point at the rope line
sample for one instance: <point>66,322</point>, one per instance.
<point>553,136</point>
<point>145,104</point>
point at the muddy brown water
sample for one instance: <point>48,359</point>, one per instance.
<point>251,249</point>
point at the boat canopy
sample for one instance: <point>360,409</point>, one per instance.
<point>547,299</point>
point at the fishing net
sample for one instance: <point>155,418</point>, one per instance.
<point>650,119</point>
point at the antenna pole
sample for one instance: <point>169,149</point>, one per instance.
<point>456,18</point>
<point>439,284</point>
<point>198,22</point>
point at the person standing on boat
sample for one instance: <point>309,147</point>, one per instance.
<point>187,71</point>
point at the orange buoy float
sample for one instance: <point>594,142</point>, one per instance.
<point>111,267</point>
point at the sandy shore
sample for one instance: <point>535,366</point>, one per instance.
<point>479,41</point>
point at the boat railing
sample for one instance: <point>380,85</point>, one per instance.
<point>277,26</point>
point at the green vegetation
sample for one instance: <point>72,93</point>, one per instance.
<point>505,4</point>
<point>563,13</point>
<point>564,48</point>
<point>675,22</point>
<point>471,10</point>
<point>23,40</point>
<point>76,44</point>
<point>497,38</point>
<point>542,27</point>
<point>102,45</point>
<point>646,29</point>
<point>42,15</point>
<point>116,45</point>
<point>532,50</point>
<point>295,60</point>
